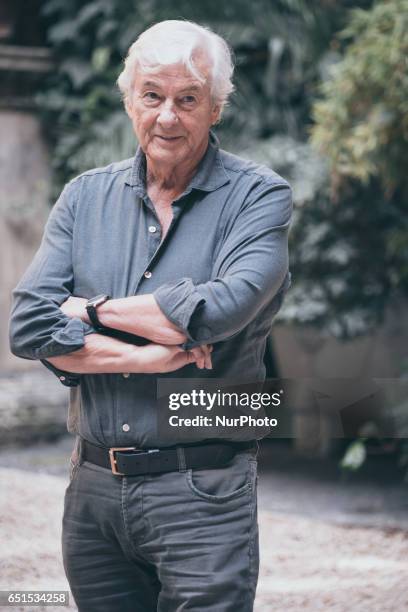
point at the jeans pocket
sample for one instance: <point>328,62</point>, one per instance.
<point>220,485</point>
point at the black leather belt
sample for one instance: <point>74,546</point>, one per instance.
<point>131,461</point>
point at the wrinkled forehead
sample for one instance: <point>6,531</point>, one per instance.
<point>196,68</point>
<point>176,77</point>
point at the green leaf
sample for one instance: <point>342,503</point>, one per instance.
<point>79,71</point>
<point>354,456</point>
<point>100,58</point>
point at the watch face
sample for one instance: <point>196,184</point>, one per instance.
<point>99,299</point>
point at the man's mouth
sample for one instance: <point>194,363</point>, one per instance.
<point>168,138</point>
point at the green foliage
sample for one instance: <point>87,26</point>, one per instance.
<point>277,44</point>
<point>361,123</point>
<point>361,128</point>
<point>344,260</point>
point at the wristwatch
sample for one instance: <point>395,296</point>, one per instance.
<point>91,307</point>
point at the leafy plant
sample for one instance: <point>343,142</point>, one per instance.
<point>350,245</point>
<point>361,122</point>
<point>277,45</point>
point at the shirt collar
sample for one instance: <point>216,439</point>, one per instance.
<point>210,173</point>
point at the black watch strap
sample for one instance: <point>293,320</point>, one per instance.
<point>91,308</point>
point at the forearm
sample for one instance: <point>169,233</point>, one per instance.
<point>123,314</point>
<point>100,355</point>
<point>140,315</point>
<point>105,355</point>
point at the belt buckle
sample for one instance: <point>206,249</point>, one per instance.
<point>113,462</point>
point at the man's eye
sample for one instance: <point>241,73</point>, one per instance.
<point>151,96</point>
<point>188,99</point>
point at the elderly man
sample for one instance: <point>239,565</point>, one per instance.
<point>184,246</point>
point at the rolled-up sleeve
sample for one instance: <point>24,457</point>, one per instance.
<point>249,270</point>
<point>38,328</point>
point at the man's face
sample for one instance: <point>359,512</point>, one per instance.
<point>172,112</point>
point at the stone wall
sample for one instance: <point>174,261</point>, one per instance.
<point>24,195</point>
<point>305,354</point>
<point>33,407</point>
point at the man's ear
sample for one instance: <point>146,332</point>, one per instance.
<point>215,114</point>
<point>128,107</point>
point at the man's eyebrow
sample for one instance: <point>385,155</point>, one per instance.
<point>193,88</point>
<point>150,84</point>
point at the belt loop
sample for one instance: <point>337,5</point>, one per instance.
<point>181,459</point>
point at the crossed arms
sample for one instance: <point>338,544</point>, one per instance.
<point>139,315</point>
<point>250,268</point>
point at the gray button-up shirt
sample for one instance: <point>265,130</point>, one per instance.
<point>220,275</point>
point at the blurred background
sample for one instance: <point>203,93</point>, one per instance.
<point>322,98</point>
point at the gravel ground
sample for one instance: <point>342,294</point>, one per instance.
<point>311,566</point>
<point>312,559</point>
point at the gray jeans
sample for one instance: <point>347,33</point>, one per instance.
<point>171,542</point>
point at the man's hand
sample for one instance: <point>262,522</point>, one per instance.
<point>202,356</point>
<point>74,307</point>
<point>157,358</point>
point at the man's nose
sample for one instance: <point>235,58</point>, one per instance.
<point>167,116</point>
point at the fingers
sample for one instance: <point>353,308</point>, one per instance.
<point>178,357</point>
<point>198,357</point>
<point>191,358</point>
<point>206,349</point>
<point>202,356</point>
<point>66,307</point>
<point>75,307</point>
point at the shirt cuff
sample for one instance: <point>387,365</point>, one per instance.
<point>66,378</point>
<point>66,340</point>
<point>178,302</point>
<point>72,338</point>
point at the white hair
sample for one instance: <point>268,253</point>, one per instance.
<point>172,42</point>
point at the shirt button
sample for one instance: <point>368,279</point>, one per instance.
<point>125,427</point>
<point>126,375</point>
<point>147,274</point>
<point>62,378</point>
<point>152,229</point>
